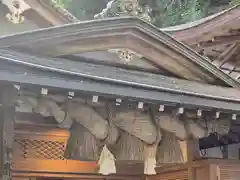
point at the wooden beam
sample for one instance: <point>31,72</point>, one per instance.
<point>140,94</point>
<point>34,119</point>
<point>221,40</point>
<point>48,72</point>
<point>226,55</point>
<point>73,169</point>
<point>190,151</point>
<point>53,168</point>
<point>8,97</point>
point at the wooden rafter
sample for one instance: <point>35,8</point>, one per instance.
<point>226,55</point>
<point>221,40</point>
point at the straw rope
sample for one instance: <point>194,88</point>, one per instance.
<point>81,144</point>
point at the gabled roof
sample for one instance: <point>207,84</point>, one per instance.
<point>132,33</point>
<point>46,13</point>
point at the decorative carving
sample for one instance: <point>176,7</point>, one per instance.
<point>117,8</point>
<point>125,55</point>
<point>16,9</point>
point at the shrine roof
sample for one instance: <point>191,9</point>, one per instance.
<point>215,37</point>
<point>157,47</point>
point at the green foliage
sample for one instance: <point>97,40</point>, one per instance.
<point>63,3</point>
<point>164,12</point>
<point>86,9</point>
<point>173,12</point>
<point>235,2</point>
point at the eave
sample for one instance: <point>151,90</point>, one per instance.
<point>17,68</point>
<point>129,32</point>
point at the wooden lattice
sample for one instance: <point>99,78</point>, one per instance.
<point>39,149</point>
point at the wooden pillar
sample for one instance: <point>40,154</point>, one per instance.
<point>7,110</point>
<point>190,150</point>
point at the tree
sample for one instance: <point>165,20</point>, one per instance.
<point>164,12</point>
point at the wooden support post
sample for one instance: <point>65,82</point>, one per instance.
<point>8,96</point>
<point>190,150</point>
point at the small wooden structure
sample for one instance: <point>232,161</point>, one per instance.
<point>209,169</point>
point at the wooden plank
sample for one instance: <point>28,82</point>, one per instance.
<point>8,97</point>
<point>202,173</point>
<point>54,166</point>
<point>68,169</point>
<point>213,172</point>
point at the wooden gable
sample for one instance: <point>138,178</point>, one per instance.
<point>131,33</point>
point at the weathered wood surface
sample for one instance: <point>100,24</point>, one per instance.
<point>89,36</point>
<point>7,110</point>
<point>118,75</point>
<point>53,168</point>
<point>168,89</point>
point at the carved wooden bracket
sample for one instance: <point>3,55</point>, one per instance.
<point>16,9</point>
